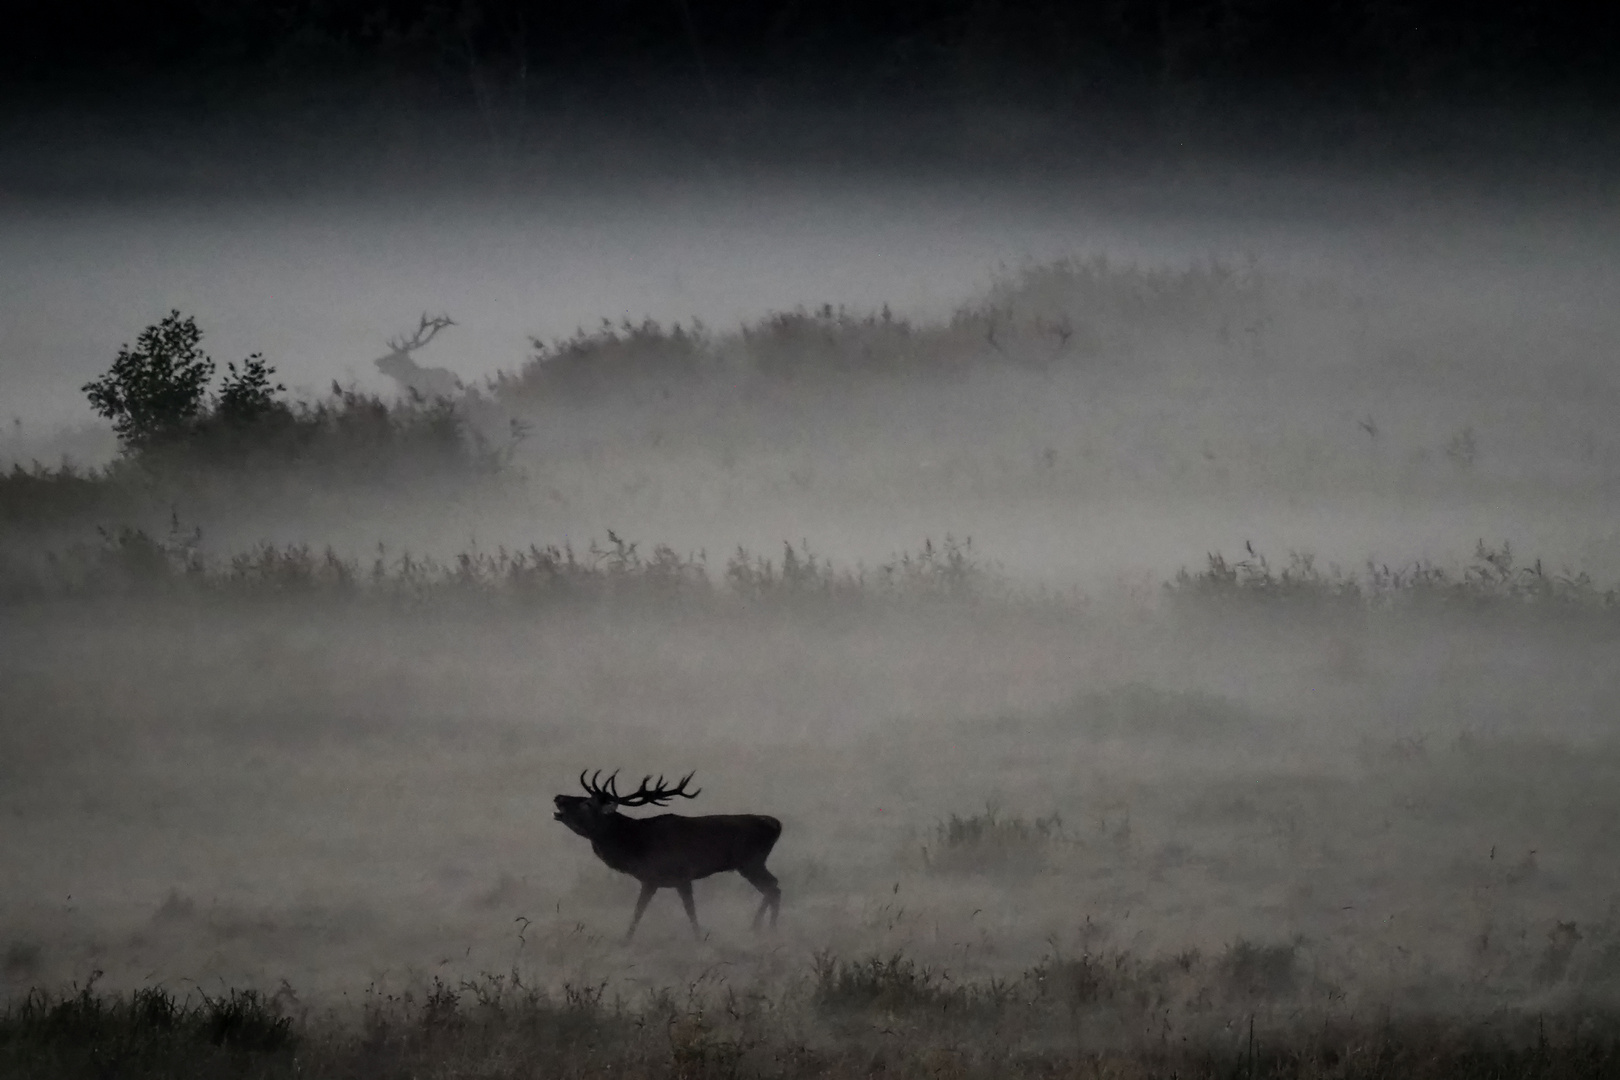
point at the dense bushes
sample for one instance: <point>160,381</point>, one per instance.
<point>157,397</point>
<point>1072,312</point>
<point>180,440</point>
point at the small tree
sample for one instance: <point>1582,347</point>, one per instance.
<point>155,391</point>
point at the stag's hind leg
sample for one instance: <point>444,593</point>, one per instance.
<point>641,906</point>
<point>691,908</point>
<point>763,880</point>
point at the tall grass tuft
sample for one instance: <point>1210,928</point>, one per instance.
<point>1494,578</point>
<point>148,1033</point>
<point>990,843</point>
<point>1240,1015</point>
<point>883,984</point>
<point>132,561</point>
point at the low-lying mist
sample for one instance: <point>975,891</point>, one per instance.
<point>1083,421</point>
<point>1181,656</point>
<point>1394,799</point>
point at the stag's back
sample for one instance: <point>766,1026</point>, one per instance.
<point>670,848</point>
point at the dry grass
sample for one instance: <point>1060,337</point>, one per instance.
<point>1092,1017</point>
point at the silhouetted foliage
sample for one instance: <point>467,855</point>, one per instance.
<point>621,355</point>
<point>240,442</point>
<point>147,1033</point>
<point>248,395</point>
<point>129,560</point>
<point>1493,580</point>
<point>1066,314</point>
<point>155,391</point>
<point>1378,50</point>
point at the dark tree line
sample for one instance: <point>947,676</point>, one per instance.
<point>1376,48</point>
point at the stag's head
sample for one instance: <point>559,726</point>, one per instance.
<point>585,814</point>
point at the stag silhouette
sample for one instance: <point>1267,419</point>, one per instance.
<point>670,851</point>
<point>426,383</point>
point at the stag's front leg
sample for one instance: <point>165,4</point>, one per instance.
<point>691,908</point>
<point>641,905</point>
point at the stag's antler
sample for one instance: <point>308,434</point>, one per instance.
<point>658,795</point>
<point>424,333</point>
<point>604,791</point>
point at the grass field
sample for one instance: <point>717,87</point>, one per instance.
<point>1020,832</point>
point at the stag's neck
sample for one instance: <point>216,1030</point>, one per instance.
<point>618,840</point>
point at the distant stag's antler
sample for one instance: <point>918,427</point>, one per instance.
<point>424,333</point>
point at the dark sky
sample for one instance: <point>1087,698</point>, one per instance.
<point>1376,52</point>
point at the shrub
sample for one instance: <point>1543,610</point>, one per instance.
<point>248,395</point>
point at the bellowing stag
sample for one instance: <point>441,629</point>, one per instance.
<point>424,383</point>
<point>670,851</point>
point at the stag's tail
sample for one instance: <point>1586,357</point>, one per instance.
<point>770,831</point>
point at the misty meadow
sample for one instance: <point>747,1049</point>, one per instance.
<point>1131,556</point>
<point>1259,808</point>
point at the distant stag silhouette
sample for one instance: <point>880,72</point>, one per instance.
<point>428,384</point>
<point>670,851</point>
